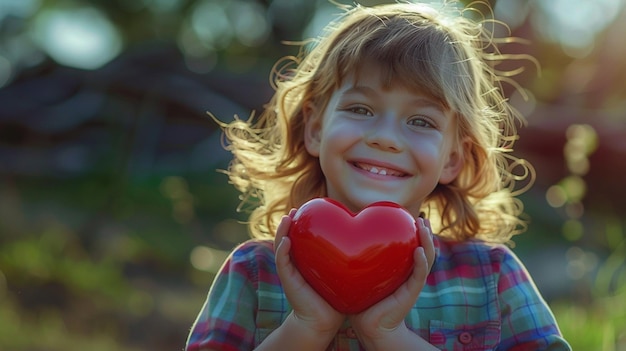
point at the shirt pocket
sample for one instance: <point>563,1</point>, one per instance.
<point>454,337</point>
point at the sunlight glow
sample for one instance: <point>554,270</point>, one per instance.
<point>574,24</point>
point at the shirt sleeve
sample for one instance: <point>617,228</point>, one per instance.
<point>527,322</point>
<point>227,319</point>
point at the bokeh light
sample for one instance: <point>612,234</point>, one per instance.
<point>556,196</point>
<point>574,25</point>
<point>573,229</point>
<point>210,22</point>
<point>176,189</point>
<point>80,37</point>
<point>580,262</point>
<point>18,8</point>
<point>207,259</point>
<point>512,12</point>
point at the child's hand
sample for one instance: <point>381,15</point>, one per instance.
<point>308,307</point>
<point>384,321</point>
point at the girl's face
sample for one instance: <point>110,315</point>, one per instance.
<point>382,144</point>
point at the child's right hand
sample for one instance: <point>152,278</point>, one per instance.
<point>309,308</point>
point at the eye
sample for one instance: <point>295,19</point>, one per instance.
<point>420,122</point>
<point>360,110</point>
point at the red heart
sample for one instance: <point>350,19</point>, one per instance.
<point>353,260</point>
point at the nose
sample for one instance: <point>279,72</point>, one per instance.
<point>385,136</point>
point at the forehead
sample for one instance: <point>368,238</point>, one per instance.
<point>376,75</point>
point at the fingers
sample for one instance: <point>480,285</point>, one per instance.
<point>282,244</point>
<point>283,228</point>
<point>282,256</point>
<point>416,280</point>
<point>389,313</point>
<point>287,272</point>
<point>292,213</point>
<point>423,256</point>
<point>307,305</point>
<point>426,240</point>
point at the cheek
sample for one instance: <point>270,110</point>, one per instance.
<point>427,148</point>
<point>335,145</point>
<point>340,135</point>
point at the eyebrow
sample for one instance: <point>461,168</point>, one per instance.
<point>361,90</point>
<point>422,101</point>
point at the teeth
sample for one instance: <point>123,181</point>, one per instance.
<point>380,171</point>
<point>376,170</point>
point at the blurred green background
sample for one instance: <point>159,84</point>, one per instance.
<point>114,218</point>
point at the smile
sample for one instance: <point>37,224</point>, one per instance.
<point>379,170</point>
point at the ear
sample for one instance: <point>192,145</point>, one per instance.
<point>455,163</point>
<point>312,129</point>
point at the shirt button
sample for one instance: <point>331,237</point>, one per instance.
<point>465,338</point>
<point>351,333</point>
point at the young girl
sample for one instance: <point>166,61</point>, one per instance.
<point>397,103</point>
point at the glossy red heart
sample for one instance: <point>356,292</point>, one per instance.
<point>353,260</point>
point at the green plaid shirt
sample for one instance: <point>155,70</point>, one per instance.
<point>477,297</point>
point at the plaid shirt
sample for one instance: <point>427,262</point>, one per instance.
<point>477,297</point>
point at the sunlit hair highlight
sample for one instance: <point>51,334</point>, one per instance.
<point>439,52</point>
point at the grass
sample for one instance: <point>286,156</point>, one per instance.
<point>81,270</point>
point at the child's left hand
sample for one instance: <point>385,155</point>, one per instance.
<point>384,321</point>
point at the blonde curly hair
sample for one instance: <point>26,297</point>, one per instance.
<point>449,56</point>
